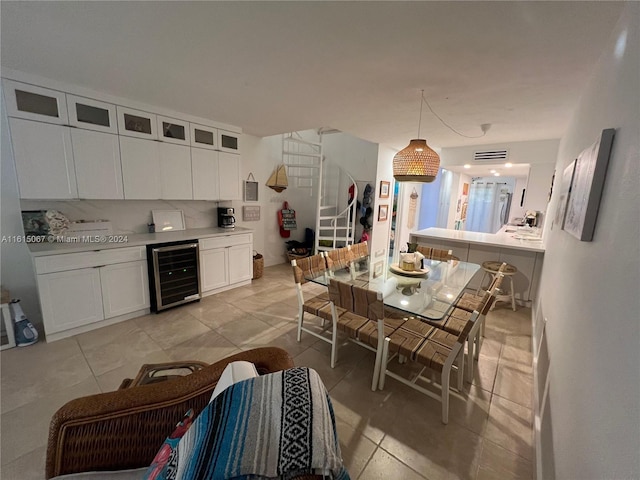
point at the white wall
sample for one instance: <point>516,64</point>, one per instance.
<point>589,290</point>
<point>380,237</point>
<point>260,156</point>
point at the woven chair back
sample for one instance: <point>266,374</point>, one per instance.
<point>359,250</point>
<point>360,301</point>
<point>312,265</point>
<point>435,253</point>
<point>338,257</point>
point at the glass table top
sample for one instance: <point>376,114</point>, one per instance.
<point>428,293</point>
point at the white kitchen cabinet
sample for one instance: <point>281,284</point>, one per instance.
<point>44,160</point>
<point>80,289</point>
<point>97,161</point>
<point>204,171</point>
<point>140,169</point>
<point>225,262</point>
<point>125,288</point>
<point>240,263</point>
<point>172,130</point>
<point>92,114</point>
<point>175,172</point>
<point>204,137</point>
<point>229,176</point>
<point>136,123</point>
<point>214,269</point>
<point>228,141</point>
<point>35,103</point>
<point>70,299</point>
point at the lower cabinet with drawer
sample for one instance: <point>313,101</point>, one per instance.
<point>225,262</point>
<point>83,291</point>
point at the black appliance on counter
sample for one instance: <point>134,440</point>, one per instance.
<point>174,273</point>
<point>226,217</point>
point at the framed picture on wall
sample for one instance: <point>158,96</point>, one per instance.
<point>384,189</point>
<point>586,188</point>
<point>565,192</point>
<point>383,212</point>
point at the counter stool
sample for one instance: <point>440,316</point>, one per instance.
<point>491,268</point>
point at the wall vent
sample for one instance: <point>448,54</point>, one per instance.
<point>490,155</point>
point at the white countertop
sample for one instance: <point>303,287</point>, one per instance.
<point>132,240</point>
<point>501,239</point>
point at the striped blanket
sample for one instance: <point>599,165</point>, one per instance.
<point>275,426</point>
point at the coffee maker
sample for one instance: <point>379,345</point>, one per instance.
<point>226,217</point>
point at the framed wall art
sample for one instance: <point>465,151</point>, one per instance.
<point>377,269</point>
<point>383,212</point>
<point>250,189</point>
<point>250,213</point>
<point>565,191</point>
<point>384,189</point>
<point>586,187</point>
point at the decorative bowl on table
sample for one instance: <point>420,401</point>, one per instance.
<point>420,272</point>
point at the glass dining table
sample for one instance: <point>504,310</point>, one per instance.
<point>429,292</point>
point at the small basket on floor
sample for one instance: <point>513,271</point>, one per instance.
<point>258,265</point>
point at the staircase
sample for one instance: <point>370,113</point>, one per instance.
<point>335,214</point>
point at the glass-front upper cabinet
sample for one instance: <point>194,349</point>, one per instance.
<point>92,114</point>
<point>35,103</point>
<point>173,131</point>
<point>228,141</point>
<point>204,137</point>
<point>136,123</point>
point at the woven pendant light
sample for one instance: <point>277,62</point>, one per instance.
<point>417,162</point>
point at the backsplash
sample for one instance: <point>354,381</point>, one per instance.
<point>130,216</point>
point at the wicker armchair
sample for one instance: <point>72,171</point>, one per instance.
<point>124,429</point>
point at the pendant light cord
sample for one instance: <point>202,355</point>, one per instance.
<point>420,121</point>
<point>443,122</point>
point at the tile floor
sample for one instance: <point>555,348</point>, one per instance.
<point>390,434</point>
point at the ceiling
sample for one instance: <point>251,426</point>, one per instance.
<point>516,170</point>
<point>274,67</point>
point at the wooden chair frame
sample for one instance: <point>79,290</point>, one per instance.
<point>455,359</point>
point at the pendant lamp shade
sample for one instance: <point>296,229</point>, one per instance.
<point>416,163</point>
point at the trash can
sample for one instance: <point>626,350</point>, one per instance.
<point>258,265</point>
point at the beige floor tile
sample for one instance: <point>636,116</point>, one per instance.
<point>484,375</point>
<point>278,314</point>
<point>510,427</point>
<point>208,347</point>
<point>111,380</point>
<point>26,428</point>
<point>284,337</point>
<point>33,372</point>
<point>517,350</point>
<point>216,314</point>
<point>496,463</point>
<point>28,467</point>
<point>384,466</point>
<point>318,357</point>
<point>490,349</point>
<point>515,382</point>
<point>121,352</point>
<point>244,331</point>
<point>356,449</point>
<point>172,327</point>
<point>419,439</point>
<point>108,334</point>
<point>368,413</point>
